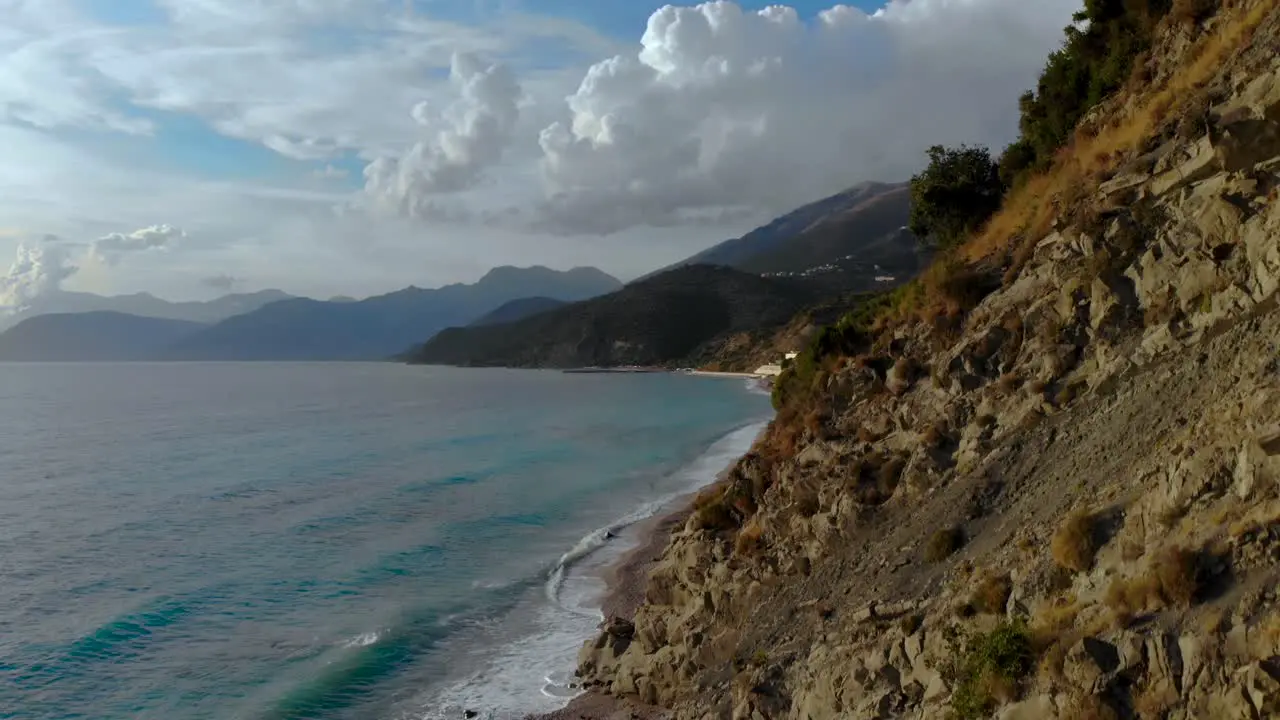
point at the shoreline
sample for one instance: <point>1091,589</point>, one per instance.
<point>626,580</point>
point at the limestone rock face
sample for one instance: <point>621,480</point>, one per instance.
<point>1128,373</point>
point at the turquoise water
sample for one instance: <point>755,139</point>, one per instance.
<point>325,541</point>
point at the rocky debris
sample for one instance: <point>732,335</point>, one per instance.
<point>1130,370</point>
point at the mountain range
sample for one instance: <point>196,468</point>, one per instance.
<point>658,320</point>
<point>853,241</point>
<point>145,305</point>
<point>297,328</point>
<point>859,234</point>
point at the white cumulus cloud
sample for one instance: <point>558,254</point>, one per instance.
<point>463,140</point>
<point>726,111</point>
<point>37,271</point>
<point>109,248</point>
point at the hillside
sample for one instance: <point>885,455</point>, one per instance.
<point>96,337</point>
<point>518,310</point>
<point>1043,481</point>
<point>853,236</point>
<point>147,305</point>
<point>382,326</point>
<point>661,320</point>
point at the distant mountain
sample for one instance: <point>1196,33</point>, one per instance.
<point>519,310</point>
<point>94,336</point>
<point>859,233</point>
<point>147,305</point>
<point>382,326</point>
<point>659,320</point>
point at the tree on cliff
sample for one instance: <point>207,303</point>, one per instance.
<point>959,190</point>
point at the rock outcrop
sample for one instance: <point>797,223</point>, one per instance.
<point>1066,507</point>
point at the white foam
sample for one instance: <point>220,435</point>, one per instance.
<point>535,672</point>
<point>362,640</point>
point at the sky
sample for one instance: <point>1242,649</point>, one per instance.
<point>191,148</point>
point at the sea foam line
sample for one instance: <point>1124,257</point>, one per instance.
<point>703,471</point>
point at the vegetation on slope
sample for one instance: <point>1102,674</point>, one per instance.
<point>986,215</point>
<point>663,320</point>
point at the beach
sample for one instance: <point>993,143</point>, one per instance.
<point>625,582</point>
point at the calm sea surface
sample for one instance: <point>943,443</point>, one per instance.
<point>182,541</point>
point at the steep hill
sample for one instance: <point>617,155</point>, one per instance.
<point>855,236</point>
<point>1044,483</point>
<point>661,320</point>
<point>519,310</point>
<point>96,337</point>
<point>382,326</point>
<point>147,305</point>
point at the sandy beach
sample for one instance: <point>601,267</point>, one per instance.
<point>625,583</point>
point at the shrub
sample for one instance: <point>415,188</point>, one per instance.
<point>874,478</point>
<point>1194,12</point>
<point>992,594</point>
<point>712,510</point>
<point>750,539</point>
<point>952,197</point>
<point>1092,63</point>
<point>943,544</point>
<point>1171,578</point>
<point>990,672</point>
<point>934,436</point>
<point>1073,546</point>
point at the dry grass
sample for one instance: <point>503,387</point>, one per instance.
<point>1171,579</point>
<point>992,594</point>
<point>750,539</point>
<point>711,509</point>
<point>1029,210</point>
<point>1009,382</point>
<point>943,544</point>
<point>1074,545</point>
<point>867,435</point>
<point>934,436</point>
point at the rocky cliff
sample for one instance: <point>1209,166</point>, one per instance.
<point>1046,485</point>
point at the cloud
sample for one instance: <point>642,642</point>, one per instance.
<point>109,248</point>
<point>463,141</point>
<point>724,111</point>
<point>329,172</point>
<point>223,282</point>
<point>38,270</point>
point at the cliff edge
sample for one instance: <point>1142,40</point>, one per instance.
<point>1044,480</point>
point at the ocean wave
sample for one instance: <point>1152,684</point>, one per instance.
<point>699,473</point>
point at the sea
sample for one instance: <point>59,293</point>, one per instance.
<point>327,541</point>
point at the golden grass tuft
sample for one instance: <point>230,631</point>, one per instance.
<point>1171,579</point>
<point>943,544</point>
<point>992,594</point>
<point>750,539</point>
<point>1074,546</point>
<point>1029,210</point>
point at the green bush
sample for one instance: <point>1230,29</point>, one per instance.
<point>847,337</point>
<point>993,664</point>
<point>959,190</point>
<point>1095,60</point>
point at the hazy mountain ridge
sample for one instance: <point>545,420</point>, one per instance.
<point>146,305</point>
<point>380,326</point>
<point>102,336</point>
<point>518,310</point>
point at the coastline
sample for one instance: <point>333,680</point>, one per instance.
<point>626,580</point>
